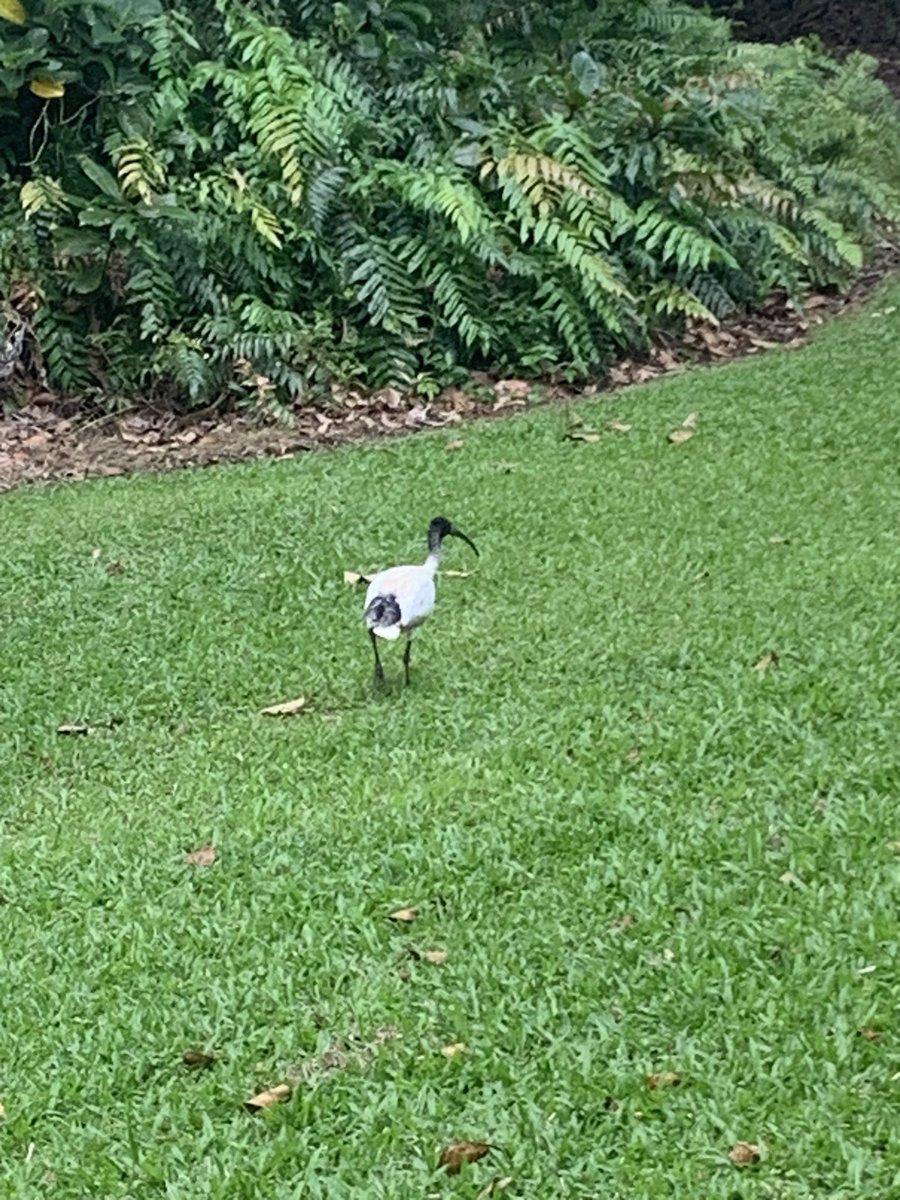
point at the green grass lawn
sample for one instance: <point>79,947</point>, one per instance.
<point>639,853</point>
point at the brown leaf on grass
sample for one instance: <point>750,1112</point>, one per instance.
<point>453,1157</point>
<point>633,755</point>
<point>456,574</point>
<point>870,1034</point>
<point>268,1098</point>
<point>435,956</point>
<point>116,567</point>
<point>404,915</point>
<point>663,1079</point>
<point>454,1049</point>
<point>789,879</point>
<point>619,427</point>
<point>691,421</point>
<point>498,1184</point>
<point>624,922</point>
<point>2,1110</point>
<point>894,847</point>
<point>583,435</point>
<point>67,730</point>
<point>778,539</point>
<point>354,577</point>
<point>197,1058</point>
<point>96,553</point>
<point>287,709</point>
<point>744,1154</point>
<point>456,444</point>
<point>769,659</point>
<point>204,857</point>
<point>679,436</point>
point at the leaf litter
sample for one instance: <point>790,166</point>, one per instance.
<point>269,1098</point>
<point>454,1049</point>
<point>288,708</point>
<point>197,1059</point>
<point>744,1154</point>
<point>404,915</point>
<point>663,1079</point>
<point>205,856</point>
<point>453,1157</point>
<point>769,659</point>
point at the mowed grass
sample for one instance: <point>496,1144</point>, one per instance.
<point>640,854</point>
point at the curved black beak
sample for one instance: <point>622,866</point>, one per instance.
<point>454,532</point>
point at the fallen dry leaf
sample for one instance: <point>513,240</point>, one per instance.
<point>197,1058</point>
<point>789,879</point>
<point>73,730</point>
<point>691,421</point>
<point>769,659</point>
<point>116,567</point>
<point>435,956</point>
<point>894,847</point>
<point>271,1096</point>
<point>287,709</point>
<point>454,1049</point>
<point>354,577</point>
<point>506,468</point>
<point>679,436</point>
<point>583,435</point>
<point>455,574</point>
<point>498,1184</point>
<point>743,1154</point>
<point>456,444</point>
<point>453,1157</point>
<point>619,426</point>
<point>2,1110</point>
<point>778,539</point>
<point>633,755</point>
<point>870,1034</point>
<point>404,914</point>
<point>96,553</point>
<point>624,922</point>
<point>663,1079</point>
<point>204,857</point>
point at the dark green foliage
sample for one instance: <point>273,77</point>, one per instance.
<point>271,195</point>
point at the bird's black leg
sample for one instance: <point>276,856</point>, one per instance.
<point>406,653</point>
<point>379,669</point>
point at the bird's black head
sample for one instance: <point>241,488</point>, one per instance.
<point>440,528</point>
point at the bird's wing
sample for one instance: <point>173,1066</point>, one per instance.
<point>410,589</point>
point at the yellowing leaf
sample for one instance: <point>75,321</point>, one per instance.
<point>287,709</point>
<point>453,1157</point>
<point>204,857</point>
<point>48,89</point>
<point>679,436</point>
<point>12,10</point>
<point>435,956</point>
<point>454,1049</point>
<point>271,1096</point>
<point>619,427</point>
<point>456,574</point>
<point>691,421</point>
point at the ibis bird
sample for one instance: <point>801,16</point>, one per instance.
<point>399,599</point>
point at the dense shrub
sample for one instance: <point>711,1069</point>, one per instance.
<point>213,198</point>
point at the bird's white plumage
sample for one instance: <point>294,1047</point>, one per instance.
<point>412,587</point>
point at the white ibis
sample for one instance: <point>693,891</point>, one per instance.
<point>399,599</point>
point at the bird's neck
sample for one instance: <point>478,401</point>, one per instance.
<point>433,561</point>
